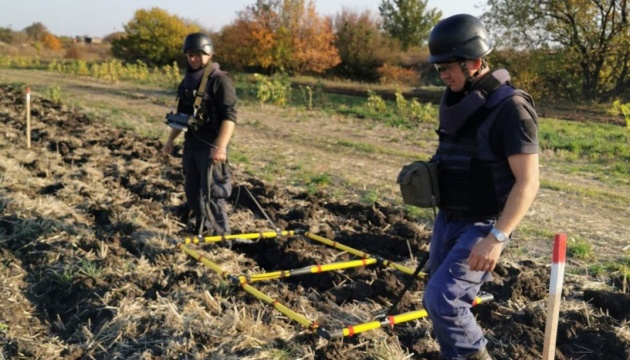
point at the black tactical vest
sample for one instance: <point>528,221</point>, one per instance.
<point>474,182</point>
<point>207,114</point>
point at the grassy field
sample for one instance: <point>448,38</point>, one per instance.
<point>583,161</point>
<point>337,149</point>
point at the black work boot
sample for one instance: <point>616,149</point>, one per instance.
<point>479,355</point>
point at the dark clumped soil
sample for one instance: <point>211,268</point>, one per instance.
<point>90,220</point>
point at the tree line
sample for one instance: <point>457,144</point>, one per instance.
<point>576,50</point>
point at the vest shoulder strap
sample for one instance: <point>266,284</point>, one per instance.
<point>208,73</point>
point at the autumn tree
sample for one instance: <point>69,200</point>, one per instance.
<point>250,41</point>
<point>312,39</point>
<point>408,20</point>
<point>51,42</point>
<point>361,44</point>
<point>36,31</point>
<point>6,35</point>
<point>579,45</point>
<point>154,37</point>
<point>279,34</point>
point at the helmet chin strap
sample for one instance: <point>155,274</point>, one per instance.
<point>470,78</point>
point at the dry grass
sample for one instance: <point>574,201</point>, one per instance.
<point>163,302</point>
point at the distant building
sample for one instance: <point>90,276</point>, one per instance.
<point>87,40</point>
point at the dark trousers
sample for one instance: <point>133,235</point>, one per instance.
<point>452,287</point>
<point>196,162</point>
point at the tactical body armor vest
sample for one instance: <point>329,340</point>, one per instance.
<point>474,181</point>
<point>207,116</point>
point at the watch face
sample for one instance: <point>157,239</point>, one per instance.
<point>499,235</point>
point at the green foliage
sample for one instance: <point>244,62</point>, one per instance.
<point>279,354</point>
<point>307,94</point>
<point>36,31</point>
<point>413,110</point>
<point>6,35</point>
<point>370,197</point>
<point>65,277</point>
<point>375,103</point>
<point>579,249</point>
<point>318,182</point>
<point>114,70</point>
<point>54,93</point>
<point>582,43</point>
<point>365,148</point>
<point>408,20</point>
<point>153,37</point>
<point>20,62</point>
<point>596,148</point>
<point>89,269</point>
<point>275,89</point>
<point>622,109</point>
<point>406,113</point>
<point>362,46</point>
<point>597,269</point>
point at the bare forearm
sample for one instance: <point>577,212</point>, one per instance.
<point>518,202</point>
<point>225,134</point>
<point>173,134</point>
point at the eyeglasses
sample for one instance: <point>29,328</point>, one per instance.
<point>445,67</point>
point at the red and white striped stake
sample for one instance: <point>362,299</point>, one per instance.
<point>555,293</point>
<point>28,117</point>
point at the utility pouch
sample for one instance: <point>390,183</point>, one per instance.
<point>419,184</point>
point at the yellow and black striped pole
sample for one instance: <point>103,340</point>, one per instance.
<point>391,320</point>
<point>314,269</point>
<point>234,280</point>
<point>313,326</point>
<point>361,254</point>
<point>249,236</point>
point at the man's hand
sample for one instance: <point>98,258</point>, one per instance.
<point>218,154</point>
<point>168,148</point>
<point>485,255</point>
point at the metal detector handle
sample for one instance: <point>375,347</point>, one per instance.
<point>408,284</point>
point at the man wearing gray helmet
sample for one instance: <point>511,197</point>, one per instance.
<point>206,101</point>
<point>488,176</point>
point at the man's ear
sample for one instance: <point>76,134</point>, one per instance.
<point>477,63</point>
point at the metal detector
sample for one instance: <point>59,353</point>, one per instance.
<point>406,288</point>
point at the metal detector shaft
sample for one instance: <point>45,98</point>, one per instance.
<point>408,284</point>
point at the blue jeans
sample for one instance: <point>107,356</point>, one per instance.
<point>452,286</point>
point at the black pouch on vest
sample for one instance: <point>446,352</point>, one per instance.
<point>419,184</point>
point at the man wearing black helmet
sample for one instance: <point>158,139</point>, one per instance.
<point>488,177</point>
<point>212,113</point>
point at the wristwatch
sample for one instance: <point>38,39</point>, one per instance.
<point>499,235</point>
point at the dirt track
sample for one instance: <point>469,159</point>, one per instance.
<point>90,218</point>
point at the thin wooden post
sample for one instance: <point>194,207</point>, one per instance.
<point>555,294</point>
<point>28,117</point>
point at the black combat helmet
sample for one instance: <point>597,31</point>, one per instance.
<point>198,42</point>
<point>458,37</point>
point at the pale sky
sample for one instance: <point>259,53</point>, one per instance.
<point>102,17</point>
